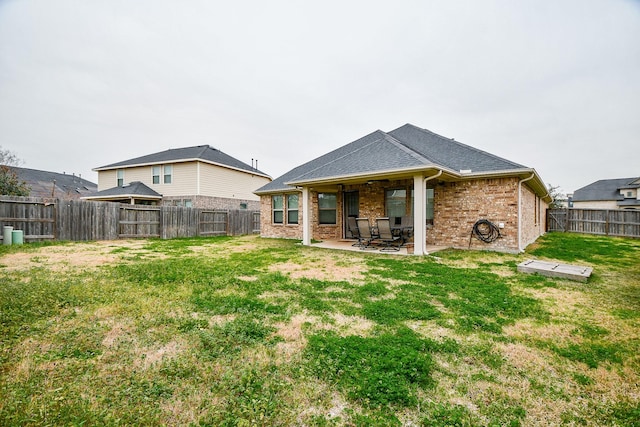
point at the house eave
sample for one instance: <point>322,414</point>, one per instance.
<point>121,196</point>
<point>447,175</point>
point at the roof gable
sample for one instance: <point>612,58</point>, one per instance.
<point>204,153</point>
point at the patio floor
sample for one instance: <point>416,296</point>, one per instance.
<point>347,245</point>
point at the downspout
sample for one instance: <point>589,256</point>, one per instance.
<point>520,210</point>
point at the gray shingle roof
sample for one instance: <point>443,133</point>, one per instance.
<point>42,183</point>
<point>404,148</point>
<point>135,188</point>
<point>202,152</point>
<point>605,189</point>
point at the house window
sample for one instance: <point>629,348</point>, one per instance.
<point>168,171</point>
<point>429,206</point>
<point>396,203</point>
<point>188,203</point>
<point>156,174</point>
<point>327,208</point>
<point>277,207</point>
<point>243,206</point>
<point>120,177</point>
<point>292,209</point>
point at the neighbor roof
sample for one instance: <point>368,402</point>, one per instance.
<point>605,189</point>
<point>134,189</point>
<point>203,153</point>
<point>54,184</point>
<point>404,149</point>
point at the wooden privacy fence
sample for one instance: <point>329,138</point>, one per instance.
<point>76,220</point>
<point>606,222</point>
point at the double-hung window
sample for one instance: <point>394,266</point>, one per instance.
<point>155,174</point>
<point>429,206</point>
<point>292,209</point>
<point>396,202</point>
<point>120,177</point>
<point>327,208</point>
<point>277,207</point>
<point>168,172</point>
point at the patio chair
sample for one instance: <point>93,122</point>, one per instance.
<point>366,236</point>
<point>386,235</point>
<point>407,228</point>
<point>352,227</point>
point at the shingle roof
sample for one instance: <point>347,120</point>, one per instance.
<point>201,152</point>
<point>136,188</point>
<point>605,189</point>
<point>408,147</point>
<point>53,184</point>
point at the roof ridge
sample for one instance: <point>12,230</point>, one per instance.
<point>461,144</point>
<point>407,150</point>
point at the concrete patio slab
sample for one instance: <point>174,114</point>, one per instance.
<point>347,245</point>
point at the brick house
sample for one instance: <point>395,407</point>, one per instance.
<point>199,176</point>
<point>442,186</point>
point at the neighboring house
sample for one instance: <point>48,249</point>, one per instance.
<point>53,184</point>
<point>619,193</point>
<point>439,184</point>
<point>199,176</point>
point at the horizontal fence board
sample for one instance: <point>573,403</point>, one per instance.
<point>602,222</point>
<point>79,220</point>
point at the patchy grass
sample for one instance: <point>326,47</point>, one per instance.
<point>250,331</point>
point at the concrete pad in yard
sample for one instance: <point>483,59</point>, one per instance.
<point>554,269</point>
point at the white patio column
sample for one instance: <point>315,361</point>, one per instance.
<point>419,219</point>
<point>306,217</point>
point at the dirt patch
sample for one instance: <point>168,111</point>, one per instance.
<point>149,357</point>
<point>75,256</point>
<point>327,268</point>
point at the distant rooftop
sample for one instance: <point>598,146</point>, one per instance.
<point>203,153</point>
<point>54,184</point>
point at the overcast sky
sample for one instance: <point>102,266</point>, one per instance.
<point>553,85</point>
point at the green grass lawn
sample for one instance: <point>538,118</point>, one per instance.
<point>249,331</point>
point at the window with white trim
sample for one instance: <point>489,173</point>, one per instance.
<point>120,177</point>
<point>277,209</point>
<point>292,209</point>
<point>168,172</point>
<point>155,173</point>
<point>327,208</point>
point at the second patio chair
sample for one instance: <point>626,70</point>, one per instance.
<point>366,237</point>
<point>391,242</point>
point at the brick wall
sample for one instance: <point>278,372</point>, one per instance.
<point>458,205</point>
<point>534,216</point>
<point>208,202</point>
<point>284,231</point>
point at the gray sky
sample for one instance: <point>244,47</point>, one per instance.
<point>554,85</point>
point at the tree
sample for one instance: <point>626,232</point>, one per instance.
<point>557,201</point>
<point>10,183</point>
